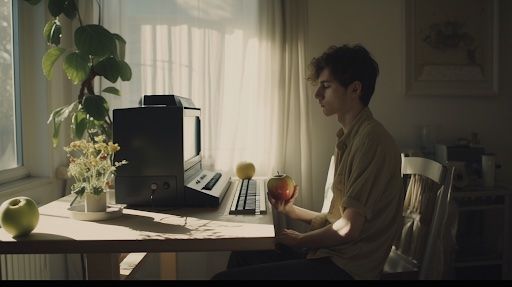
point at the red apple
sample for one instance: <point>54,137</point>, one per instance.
<point>280,187</point>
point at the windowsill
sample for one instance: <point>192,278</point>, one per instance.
<point>41,189</point>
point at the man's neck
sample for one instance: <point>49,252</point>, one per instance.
<point>347,119</point>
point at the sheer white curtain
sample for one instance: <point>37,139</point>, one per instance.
<point>240,61</point>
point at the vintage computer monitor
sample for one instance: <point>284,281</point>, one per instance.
<point>161,140</point>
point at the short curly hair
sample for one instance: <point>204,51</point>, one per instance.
<point>347,64</point>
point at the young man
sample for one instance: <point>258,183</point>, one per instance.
<point>353,239</point>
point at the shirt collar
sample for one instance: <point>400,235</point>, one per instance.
<point>345,137</point>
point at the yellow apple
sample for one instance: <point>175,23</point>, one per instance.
<point>280,187</point>
<point>245,170</point>
<point>19,216</point>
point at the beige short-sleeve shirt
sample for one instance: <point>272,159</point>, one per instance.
<point>367,178</point>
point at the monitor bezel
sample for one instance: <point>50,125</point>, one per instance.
<point>192,112</point>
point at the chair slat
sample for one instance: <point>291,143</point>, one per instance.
<point>424,167</point>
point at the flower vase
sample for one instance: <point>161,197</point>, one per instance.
<point>95,203</point>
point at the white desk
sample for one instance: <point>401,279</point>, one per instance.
<point>180,230</point>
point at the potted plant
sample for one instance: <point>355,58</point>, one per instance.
<point>97,53</point>
<point>91,166</point>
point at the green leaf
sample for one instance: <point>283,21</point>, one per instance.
<point>56,7</point>
<point>94,40</point>
<point>126,71</point>
<point>96,107</point>
<point>55,134</point>
<point>55,114</point>
<point>70,9</point>
<point>50,57</point>
<point>65,112</point>
<point>121,46</point>
<point>55,34</point>
<point>56,118</point>
<point>33,2</point>
<point>76,67</point>
<point>47,31</point>
<point>56,125</point>
<point>108,68</point>
<point>112,90</point>
<point>80,123</point>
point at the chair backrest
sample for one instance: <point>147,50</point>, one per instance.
<point>328,187</point>
<point>425,213</point>
<point>426,202</point>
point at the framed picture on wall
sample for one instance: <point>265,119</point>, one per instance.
<point>451,47</point>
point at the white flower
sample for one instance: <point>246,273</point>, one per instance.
<point>90,164</point>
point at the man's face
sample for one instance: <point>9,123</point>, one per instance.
<point>331,96</point>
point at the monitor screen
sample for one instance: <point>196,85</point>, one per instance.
<point>191,137</point>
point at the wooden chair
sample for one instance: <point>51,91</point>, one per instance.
<point>418,253</point>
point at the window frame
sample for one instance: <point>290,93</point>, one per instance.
<point>20,171</point>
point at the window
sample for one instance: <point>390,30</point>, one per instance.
<point>10,123</point>
<point>215,53</point>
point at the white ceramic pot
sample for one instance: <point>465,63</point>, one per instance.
<point>95,203</point>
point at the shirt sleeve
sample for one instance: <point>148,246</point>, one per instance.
<point>368,178</point>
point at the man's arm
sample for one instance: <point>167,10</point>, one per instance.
<point>347,228</point>
<point>289,209</point>
<point>302,214</point>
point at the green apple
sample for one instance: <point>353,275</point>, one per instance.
<point>280,187</point>
<point>19,216</point>
<point>245,170</point>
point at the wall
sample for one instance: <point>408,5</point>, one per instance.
<point>378,25</point>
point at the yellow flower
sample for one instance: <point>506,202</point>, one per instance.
<point>90,164</point>
<point>112,148</point>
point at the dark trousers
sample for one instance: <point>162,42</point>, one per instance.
<point>279,265</point>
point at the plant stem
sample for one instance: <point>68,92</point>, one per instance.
<point>105,131</point>
<point>73,201</point>
<point>87,85</point>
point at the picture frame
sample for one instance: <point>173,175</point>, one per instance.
<point>451,47</point>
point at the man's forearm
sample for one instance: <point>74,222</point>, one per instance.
<point>302,214</point>
<point>323,237</point>
<point>343,230</point>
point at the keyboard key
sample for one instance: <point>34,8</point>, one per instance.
<point>247,200</point>
<point>211,183</point>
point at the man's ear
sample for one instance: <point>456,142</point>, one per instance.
<point>356,88</point>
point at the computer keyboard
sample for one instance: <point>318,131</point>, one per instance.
<point>249,198</point>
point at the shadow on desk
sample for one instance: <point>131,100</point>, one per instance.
<point>42,236</point>
<point>148,224</point>
<point>169,226</point>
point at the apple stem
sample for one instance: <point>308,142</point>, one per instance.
<point>15,202</point>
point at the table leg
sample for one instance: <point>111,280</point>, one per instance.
<point>168,266</point>
<point>102,266</point>
<point>506,249</point>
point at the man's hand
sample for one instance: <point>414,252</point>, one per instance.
<point>290,238</point>
<point>285,207</point>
